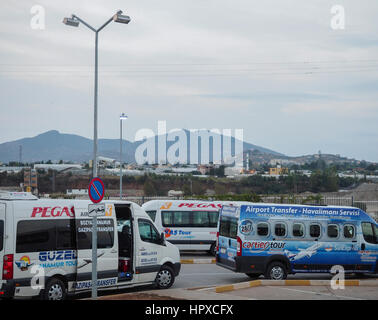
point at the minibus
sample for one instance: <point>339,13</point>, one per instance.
<point>46,248</point>
<point>277,240</point>
<point>189,224</point>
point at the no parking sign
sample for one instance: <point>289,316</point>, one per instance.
<point>96,190</point>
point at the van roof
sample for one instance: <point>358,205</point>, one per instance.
<point>270,210</point>
<point>11,195</point>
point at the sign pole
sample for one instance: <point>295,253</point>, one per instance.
<point>96,192</point>
<point>94,257</point>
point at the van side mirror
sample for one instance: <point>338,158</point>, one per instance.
<point>162,239</point>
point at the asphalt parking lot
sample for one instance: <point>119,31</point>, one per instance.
<point>203,281</point>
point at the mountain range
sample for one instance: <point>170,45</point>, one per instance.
<point>55,146</point>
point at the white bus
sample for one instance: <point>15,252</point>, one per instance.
<point>189,224</point>
<point>46,248</point>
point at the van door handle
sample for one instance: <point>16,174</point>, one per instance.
<point>114,251</point>
<point>363,246</point>
<point>142,249</point>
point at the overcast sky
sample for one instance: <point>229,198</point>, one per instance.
<point>276,69</point>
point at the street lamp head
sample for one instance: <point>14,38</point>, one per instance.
<point>71,22</point>
<point>120,18</point>
<point>123,117</point>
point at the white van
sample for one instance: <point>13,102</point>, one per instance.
<point>45,248</point>
<point>189,224</point>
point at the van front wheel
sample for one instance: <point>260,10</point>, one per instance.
<point>276,271</point>
<point>165,277</point>
<point>54,290</point>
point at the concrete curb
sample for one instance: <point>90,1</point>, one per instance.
<point>257,283</point>
<point>197,261</point>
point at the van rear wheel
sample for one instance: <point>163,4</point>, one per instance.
<point>54,290</point>
<point>276,271</point>
<point>165,277</point>
<point>213,250</point>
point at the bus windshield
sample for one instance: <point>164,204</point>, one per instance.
<point>228,227</point>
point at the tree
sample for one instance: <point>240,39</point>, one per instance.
<point>149,189</point>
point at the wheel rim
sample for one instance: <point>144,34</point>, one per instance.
<point>55,292</point>
<point>164,278</point>
<point>277,273</point>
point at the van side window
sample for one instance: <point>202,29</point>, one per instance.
<point>314,230</point>
<point>200,219</point>
<point>332,231</point>
<point>152,214</point>
<point>1,234</point>
<point>147,232</point>
<point>280,230</point>
<point>368,232</point>
<point>213,217</point>
<point>348,231</point>
<point>262,229</point>
<point>175,218</point>
<point>105,233</point>
<point>298,230</point>
<point>34,236</point>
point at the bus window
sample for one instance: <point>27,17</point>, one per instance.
<point>348,231</point>
<point>332,231</point>
<point>152,214</point>
<point>280,230</point>
<point>262,229</point>
<point>298,230</point>
<point>368,232</point>
<point>314,230</point>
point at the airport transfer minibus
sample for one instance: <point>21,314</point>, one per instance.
<point>276,240</point>
<point>46,248</point>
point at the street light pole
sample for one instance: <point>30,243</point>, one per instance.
<point>122,117</point>
<point>74,21</point>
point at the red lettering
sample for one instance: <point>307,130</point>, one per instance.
<point>44,212</point>
<point>35,211</point>
<point>47,212</point>
<point>53,214</point>
<point>183,205</point>
<point>66,211</point>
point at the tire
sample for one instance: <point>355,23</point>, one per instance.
<point>165,277</point>
<point>213,250</point>
<point>253,276</point>
<point>276,271</point>
<point>55,290</point>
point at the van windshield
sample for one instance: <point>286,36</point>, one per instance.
<point>228,227</point>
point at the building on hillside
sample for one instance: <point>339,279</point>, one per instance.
<point>278,170</point>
